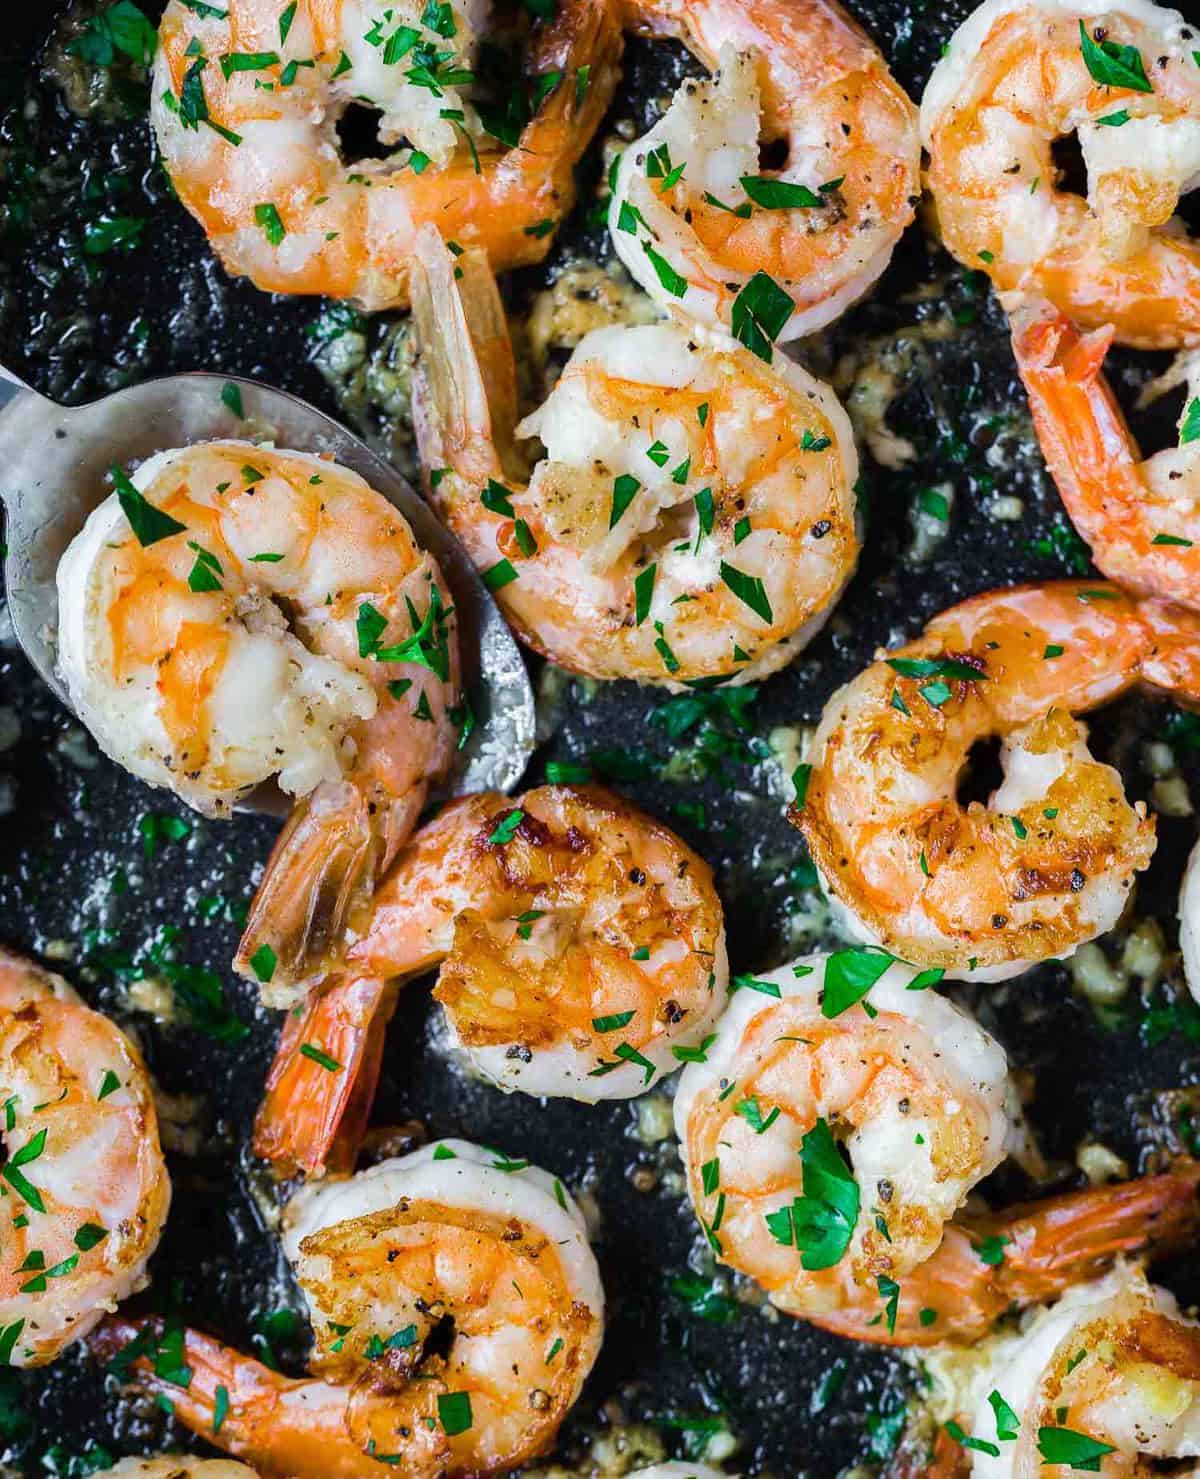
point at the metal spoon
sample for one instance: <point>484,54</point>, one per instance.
<point>54,462</point>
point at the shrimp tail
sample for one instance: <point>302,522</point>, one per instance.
<point>281,1425</point>
<point>1083,434</point>
<point>1173,661</point>
<point>464,376</point>
<point>317,887</point>
<point>322,1083</point>
<point>1066,1239</point>
<point>1027,1254</point>
<point>582,45</point>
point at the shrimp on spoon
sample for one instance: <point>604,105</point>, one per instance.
<point>234,614</point>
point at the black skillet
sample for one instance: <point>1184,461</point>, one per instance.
<point>77,872</point>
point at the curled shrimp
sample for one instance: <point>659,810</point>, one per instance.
<point>1106,1379</point>
<point>235,613</point>
<point>1048,862</point>
<point>912,1088</point>
<point>1018,76</point>
<point>1140,516</point>
<point>915,1092</point>
<point>694,516</point>
<point>696,221</point>
<point>86,1189</point>
<point>456,1310</point>
<point>582,953</point>
<point>247,101</point>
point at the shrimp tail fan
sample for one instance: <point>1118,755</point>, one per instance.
<point>317,887</point>
<point>464,378</point>
<point>322,1084</point>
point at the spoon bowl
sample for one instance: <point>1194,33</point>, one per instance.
<point>54,464</point>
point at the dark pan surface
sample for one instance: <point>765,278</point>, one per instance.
<point>81,886</point>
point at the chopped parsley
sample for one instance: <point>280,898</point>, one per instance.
<point>672,282</point>
<point>506,829</point>
<point>320,1057</point>
<point>454,1412</point>
<point>849,975</point>
<point>148,523</point>
<point>497,576</point>
<point>1114,65</point>
<point>749,589</point>
<point>759,313</point>
<point>263,963</point>
<point>820,1222</point>
<point>613,1023</point>
<point>643,592</point>
<point>782,195</point>
<point>991,1250</point>
<point>267,216</point>
<point>625,489</point>
<point>1075,1450</point>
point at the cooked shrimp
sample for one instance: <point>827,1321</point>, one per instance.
<point>236,613</point>
<point>247,101</point>
<point>915,1093</point>
<point>694,517</point>
<point>86,1187</point>
<point>700,225</point>
<point>910,1085</point>
<point>1140,517</point>
<point>177,1466</point>
<point>582,952</point>
<point>1108,1376</point>
<point>1048,863</point>
<point>1019,75</point>
<point>456,1310</point>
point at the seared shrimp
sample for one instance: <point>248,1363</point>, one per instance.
<point>910,1086</point>
<point>1107,1379</point>
<point>247,101</point>
<point>582,952</point>
<point>774,255</point>
<point>1048,863</point>
<point>1017,76</point>
<point>694,517</point>
<point>456,1310</point>
<point>235,613</point>
<point>1140,517</point>
<point>914,1092</point>
<point>86,1189</point>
